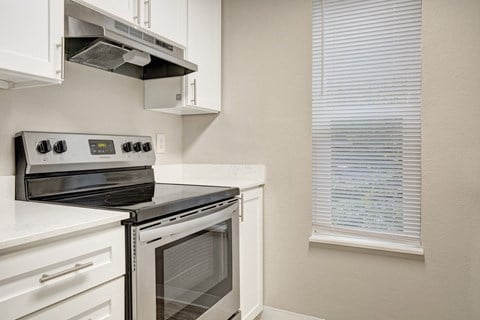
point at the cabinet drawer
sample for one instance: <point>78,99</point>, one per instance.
<point>105,302</point>
<point>39,276</point>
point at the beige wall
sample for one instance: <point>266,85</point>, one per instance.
<point>89,101</point>
<point>266,119</point>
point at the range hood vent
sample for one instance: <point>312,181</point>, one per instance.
<point>100,41</point>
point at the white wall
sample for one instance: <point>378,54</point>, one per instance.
<point>90,101</point>
<point>266,119</point>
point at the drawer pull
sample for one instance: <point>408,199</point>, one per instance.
<point>78,266</point>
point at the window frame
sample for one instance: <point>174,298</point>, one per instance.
<point>350,236</point>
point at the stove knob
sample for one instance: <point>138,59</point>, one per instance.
<point>147,146</point>
<point>137,146</point>
<point>127,147</point>
<point>44,146</point>
<point>60,146</point>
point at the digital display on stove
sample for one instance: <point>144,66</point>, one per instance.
<point>101,147</point>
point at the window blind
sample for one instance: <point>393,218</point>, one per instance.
<point>366,118</point>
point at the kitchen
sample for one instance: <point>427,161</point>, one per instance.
<point>262,136</point>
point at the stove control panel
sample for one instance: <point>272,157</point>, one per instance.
<point>60,152</point>
<point>101,147</point>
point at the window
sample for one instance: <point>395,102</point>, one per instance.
<point>366,123</point>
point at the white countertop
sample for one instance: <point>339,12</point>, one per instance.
<point>242,184</point>
<point>241,176</point>
<point>23,222</point>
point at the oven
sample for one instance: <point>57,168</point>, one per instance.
<point>185,267</point>
<point>181,240</point>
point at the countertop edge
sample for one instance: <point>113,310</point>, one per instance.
<point>242,176</point>
<point>29,239</point>
<point>242,185</point>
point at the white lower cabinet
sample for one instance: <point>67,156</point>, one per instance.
<point>39,276</point>
<point>251,254</point>
<point>105,302</point>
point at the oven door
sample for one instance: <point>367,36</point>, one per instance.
<point>187,269</point>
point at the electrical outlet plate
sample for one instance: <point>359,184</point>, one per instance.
<point>160,143</point>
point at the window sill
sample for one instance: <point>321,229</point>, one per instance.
<point>381,245</point>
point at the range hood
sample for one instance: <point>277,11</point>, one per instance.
<point>100,41</point>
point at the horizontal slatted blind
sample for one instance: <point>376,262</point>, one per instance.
<point>366,118</point>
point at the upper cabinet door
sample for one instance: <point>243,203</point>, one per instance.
<point>31,46</point>
<point>125,9</point>
<point>167,18</point>
<point>204,47</point>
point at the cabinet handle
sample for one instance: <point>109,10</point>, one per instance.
<point>148,4</point>
<point>136,17</point>
<point>242,202</point>
<point>194,87</point>
<point>78,266</point>
<point>61,46</point>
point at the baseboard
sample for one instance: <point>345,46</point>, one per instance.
<point>253,314</point>
<point>270,313</point>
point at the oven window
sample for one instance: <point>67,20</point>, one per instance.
<point>194,273</point>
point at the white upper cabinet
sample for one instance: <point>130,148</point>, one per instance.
<point>199,92</point>
<point>31,46</point>
<point>167,18</point>
<point>126,9</point>
<point>204,47</point>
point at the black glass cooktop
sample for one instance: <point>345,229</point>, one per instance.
<point>154,200</point>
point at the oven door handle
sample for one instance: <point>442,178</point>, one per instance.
<point>189,226</point>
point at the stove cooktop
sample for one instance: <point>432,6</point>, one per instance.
<point>154,200</point>
<point>102,171</point>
